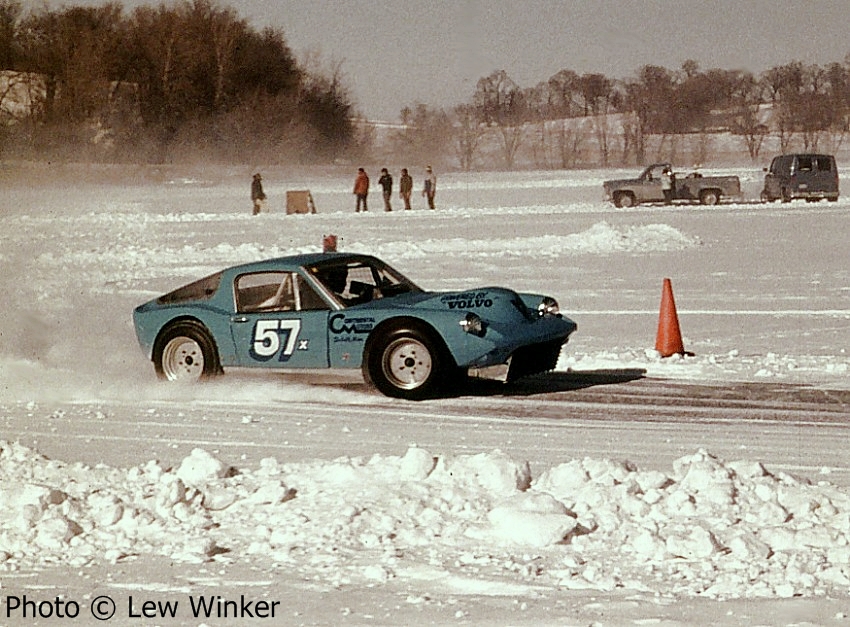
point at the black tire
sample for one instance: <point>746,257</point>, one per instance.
<point>709,197</point>
<point>185,351</point>
<point>786,195</point>
<point>624,199</point>
<point>407,362</point>
<point>765,197</point>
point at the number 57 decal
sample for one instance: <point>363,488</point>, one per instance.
<point>267,341</point>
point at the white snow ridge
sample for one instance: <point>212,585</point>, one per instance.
<point>708,527</point>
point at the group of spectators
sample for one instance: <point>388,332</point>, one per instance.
<point>361,188</point>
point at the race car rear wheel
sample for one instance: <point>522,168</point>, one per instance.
<point>185,351</point>
<point>406,363</point>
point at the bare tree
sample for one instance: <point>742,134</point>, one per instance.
<point>563,92</point>
<point>783,85</point>
<point>747,99</point>
<point>569,137</point>
<point>220,29</point>
<point>10,81</point>
<point>646,102</point>
<point>538,102</point>
<point>325,104</point>
<point>73,49</point>
<point>499,102</point>
<point>838,89</point>
<point>596,92</point>
<point>425,136</point>
<point>468,134</point>
<point>813,111</point>
<point>10,15</point>
<point>159,64</point>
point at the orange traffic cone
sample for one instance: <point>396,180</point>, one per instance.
<point>669,339</point>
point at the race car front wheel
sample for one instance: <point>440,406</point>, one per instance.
<point>185,351</point>
<point>406,363</point>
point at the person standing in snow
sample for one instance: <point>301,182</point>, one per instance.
<point>361,189</point>
<point>405,185</point>
<point>258,196</point>
<point>430,189</point>
<point>386,182</point>
<point>667,185</point>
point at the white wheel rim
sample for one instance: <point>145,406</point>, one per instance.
<point>182,358</point>
<point>407,363</point>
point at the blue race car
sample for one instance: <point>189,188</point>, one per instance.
<point>339,310</point>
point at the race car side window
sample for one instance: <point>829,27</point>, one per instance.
<point>308,299</point>
<point>265,291</point>
<point>204,289</point>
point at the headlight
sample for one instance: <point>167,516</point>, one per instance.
<point>547,307</point>
<point>472,323</point>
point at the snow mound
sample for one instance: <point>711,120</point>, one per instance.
<point>708,527</point>
<point>600,239</point>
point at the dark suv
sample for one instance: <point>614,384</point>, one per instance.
<point>808,176</point>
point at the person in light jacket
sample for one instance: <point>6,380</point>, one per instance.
<point>668,185</point>
<point>430,189</point>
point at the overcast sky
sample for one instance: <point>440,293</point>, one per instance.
<point>434,51</point>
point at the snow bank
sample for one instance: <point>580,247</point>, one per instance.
<point>600,239</point>
<point>733,365</point>
<point>128,258</point>
<point>707,527</point>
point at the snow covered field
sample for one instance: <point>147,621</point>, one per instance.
<point>763,295</point>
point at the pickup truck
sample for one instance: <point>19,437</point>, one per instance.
<point>707,190</point>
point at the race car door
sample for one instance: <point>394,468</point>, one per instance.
<point>280,322</point>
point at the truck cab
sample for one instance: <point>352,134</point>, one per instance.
<point>804,175</point>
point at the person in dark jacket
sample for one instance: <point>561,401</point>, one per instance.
<point>361,189</point>
<point>405,187</point>
<point>386,182</point>
<point>258,196</point>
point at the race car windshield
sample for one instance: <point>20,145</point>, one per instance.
<point>357,282</point>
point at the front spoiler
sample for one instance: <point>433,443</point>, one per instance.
<point>499,372</point>
<point>524,362</point>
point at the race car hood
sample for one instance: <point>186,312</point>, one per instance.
<point>493,303</point>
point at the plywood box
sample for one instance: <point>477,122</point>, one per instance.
<point>299,201</point>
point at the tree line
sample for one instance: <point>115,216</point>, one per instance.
<point>164,82</point>
<point>572,120</point>
<point>177,80</point>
